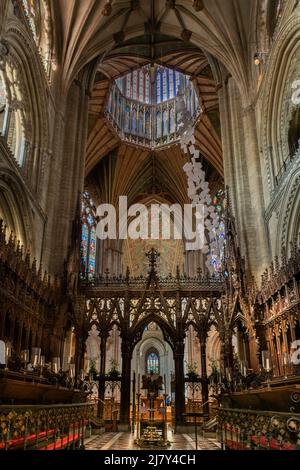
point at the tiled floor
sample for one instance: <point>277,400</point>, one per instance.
<point>125,441</point>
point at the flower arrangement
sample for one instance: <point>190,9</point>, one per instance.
<point>113,372</point>
<point>192,371</point>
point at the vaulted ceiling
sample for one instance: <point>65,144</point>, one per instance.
<point>198,37</point>
<point>89,29</point>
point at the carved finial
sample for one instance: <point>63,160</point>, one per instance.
<point>152,256</point>
<point>27,259</point>
<point>40,271</point>
<point>33,267</point>
<point>277,266</point>
<point>11,239</point>
<point>2,231</point>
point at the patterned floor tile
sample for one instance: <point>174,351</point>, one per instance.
<point>126,441</point>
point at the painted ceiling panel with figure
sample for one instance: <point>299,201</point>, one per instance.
<point>171,256</point>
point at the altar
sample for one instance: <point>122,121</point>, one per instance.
<point>151,413</point>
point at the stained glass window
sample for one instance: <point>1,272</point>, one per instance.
<point>88,235</point>
<point>137,84</point>
<point>165,94</point>
<point>165,123</point>
<point>153,118</point>
<point>172,120</point>
<point>147,87</point>
<point>152,363</point>
<point>158,124</point>
<point>158,86</point>
<point>127,118</point>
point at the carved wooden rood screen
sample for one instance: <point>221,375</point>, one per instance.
<point>173,303</point>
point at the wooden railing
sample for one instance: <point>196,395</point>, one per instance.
<point>241,429</point>
<point>45,427</point>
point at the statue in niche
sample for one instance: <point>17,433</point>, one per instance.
<point>93,344</point>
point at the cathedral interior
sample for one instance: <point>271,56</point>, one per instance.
<point>116,340</point>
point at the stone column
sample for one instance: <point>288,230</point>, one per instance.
<point>101,394</point>
<point>19,339</point>
<point>66,173</point>
<point>243,174</point>
<point>125,383</point>
<point>179,383</point>
<point>79,353</point>
<point>204,383</point>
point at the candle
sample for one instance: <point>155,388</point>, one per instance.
<point>228,374</point>
<point>56,364</point>
<point>35,356</point>
<point>7,351</point>
<point>25,355</point>
<point>72,370</point>
<point>165,382</point>
<point>267,364</point>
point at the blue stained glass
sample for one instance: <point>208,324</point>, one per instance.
<point>147,85</point>
<point>158,87</point>
<point>92,251</point>
<point>172,120</point>
<point>164,92</point>
<point>127,119</point>
<point>134,121</point>
<point>84,242</point>
<point>88,234</point>
<point>168,84</point>
<point>165,123</point>
<point>90,219</point>
<point>147,124</point>
<point>158,124</point>
<point>152,363</point>
<point>141,121</point>
<point>138,103</point>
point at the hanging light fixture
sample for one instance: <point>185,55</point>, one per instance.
<point>259,57</point>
